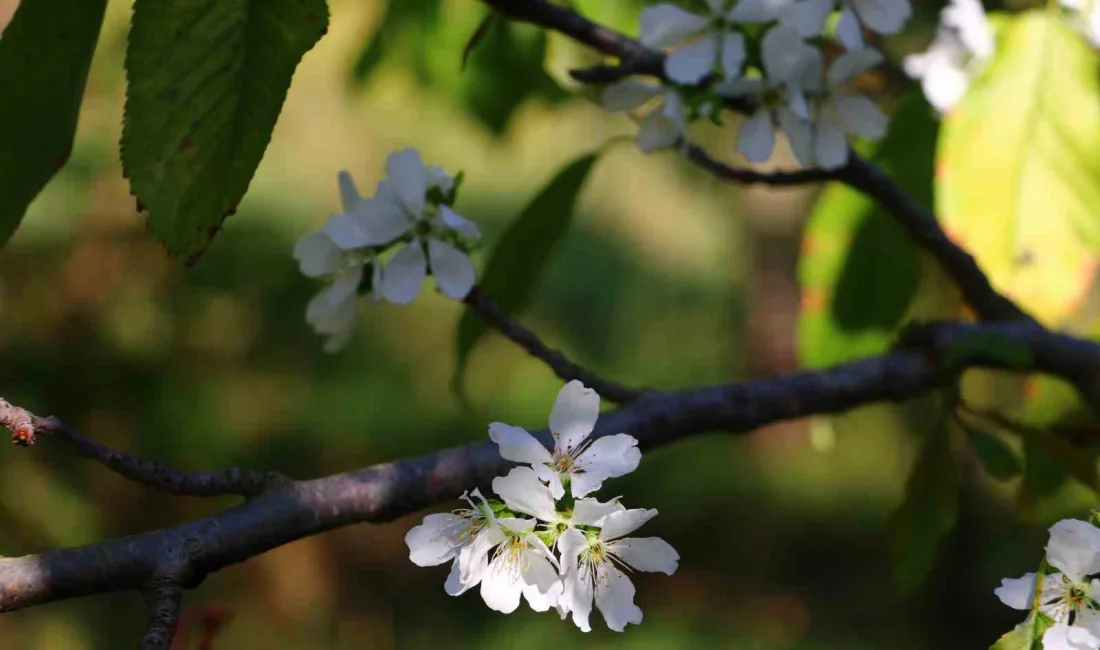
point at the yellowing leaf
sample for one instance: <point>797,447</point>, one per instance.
<point>1018,182</point>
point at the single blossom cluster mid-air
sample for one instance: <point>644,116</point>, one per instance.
<point>385,245</point>
<point>783,82</point>
<point>1069,593</point>
<point>545,540</point>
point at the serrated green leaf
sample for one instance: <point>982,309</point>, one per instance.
<point>44,59</point>
<point>928,512</point>
<point>997,457</point>
<point>1020,188</point>
<point>517,262</point>
<point>206,84</point>
<point>858,268</point>
<point>1027,635</point>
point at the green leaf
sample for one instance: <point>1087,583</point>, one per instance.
<point>998,458</point>
<point>928,512</point>
<point>206,84</point>
<point>1027,635</point>
<point>519,258</point>
<point>858,268</point>
<point>414,21</point>
<point>44,59</point>
<point>1020,188</point>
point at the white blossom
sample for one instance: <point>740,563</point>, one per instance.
<point>882,16</point>
<point>521,565</point>
<point>701,42</point>
<point>962,47</point>
<point>575,459</point>
<point>464,536</point>
<point>593,566</point>
<point>1069,637</point>
<point>663,126</point>
<point>791,68</point>
<point>1088,19</point>
<point>842,113</point>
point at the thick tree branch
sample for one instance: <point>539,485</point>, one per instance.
<point>163,599</point>
<point>860,174</point>
<point>534,346</point>
<point>25,427</point>
<point>929,357</point>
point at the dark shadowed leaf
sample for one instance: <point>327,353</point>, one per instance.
<point>44,58</point>
<point>206,84</point>
<point>517,262</point>
<point>997,457</point>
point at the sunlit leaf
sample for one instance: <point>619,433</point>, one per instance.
<point>1027,635</point>
<point>44,58</point>
<point>520,256</point>
<point>1019,177</point>
<point>206,84</point>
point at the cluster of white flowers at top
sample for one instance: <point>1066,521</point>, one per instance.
<point>962,47</point>
<point>411,208</point>
<point>784,76</point>
<point>1070,596</point>
<point>547,541</point>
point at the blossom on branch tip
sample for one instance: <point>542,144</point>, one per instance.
<point>962,47</point>
<point>663,126</point>
<point>701,43</point>
<point>842,112</point>
<point>582,463</point>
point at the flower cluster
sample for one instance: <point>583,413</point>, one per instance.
<point>962,47</point>
<point>384,246</point>
<point>713,61</point>
<point>545,540</point>
<point>1069,594</point>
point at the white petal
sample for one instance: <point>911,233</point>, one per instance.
<point>1074,548</point>
<point>570,545</point>
<point>349,194</point>
<point>436,540</point>
<point>861,117</point>
<point>690,63</point>
<point>437,178</point>
<point>806,17</point>
<point>651,554</point>
<point>500,586</point>
<point>1090,618</point>
<point>756,11</point>
<point>517,525</point>
<point>383,220</point>
<point>454,585</point>
<point>798,134</point>
<point>666,25</point>
<point>473,558</point>
<point>830,145</point>
<point>461,225</point>
<point>717,7</point>
<point>849,31</point>
<point>756,137</point>
<point>522,491</point>
<point>657,132</point>
<point>615,598</point>
<point>541,585</point>
<point>517,445</point>
<point>574,415</point>
<point>968,18</point>
<point>617,524</point>
<point>783,52</point>
<point>944,86</point>
<point>347,231</point>
<point>606,458</point>
<point>317,255</point>
<point>577,593</point>
<point>552,478</point>
<point>454,272</point>
<point>850,65</point>
<point>883,16</point>
<point>1066,637</point>
<point>409,179</point>
<point>1017,593</point>
<point>404,274</point>
<point>733,54</point>
<point>628,94</point>
<point>587,512</point>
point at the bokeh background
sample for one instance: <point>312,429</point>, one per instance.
<point>668,279</point>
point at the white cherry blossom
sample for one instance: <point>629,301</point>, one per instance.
<point>844,113</point>
<point>791,69</point>
<point>1069,637</point>
<point>701,42</point>
<point>593,567</point>
<point>882,16</point>
<point>962,47</point>
<point>521,565</point>
<point>584,463</point>
<point>464,536</point>
<point>663,126</point>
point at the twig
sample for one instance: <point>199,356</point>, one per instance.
<point>25,428</point>
<point>558,362</point>
<point>700,157</point>
<point>163,599</point>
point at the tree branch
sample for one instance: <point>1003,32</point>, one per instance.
<point>163,599</point>
<point>558,362</point>
<point>859,174</point>
<point>25,428</point>
<point>929,357</point>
